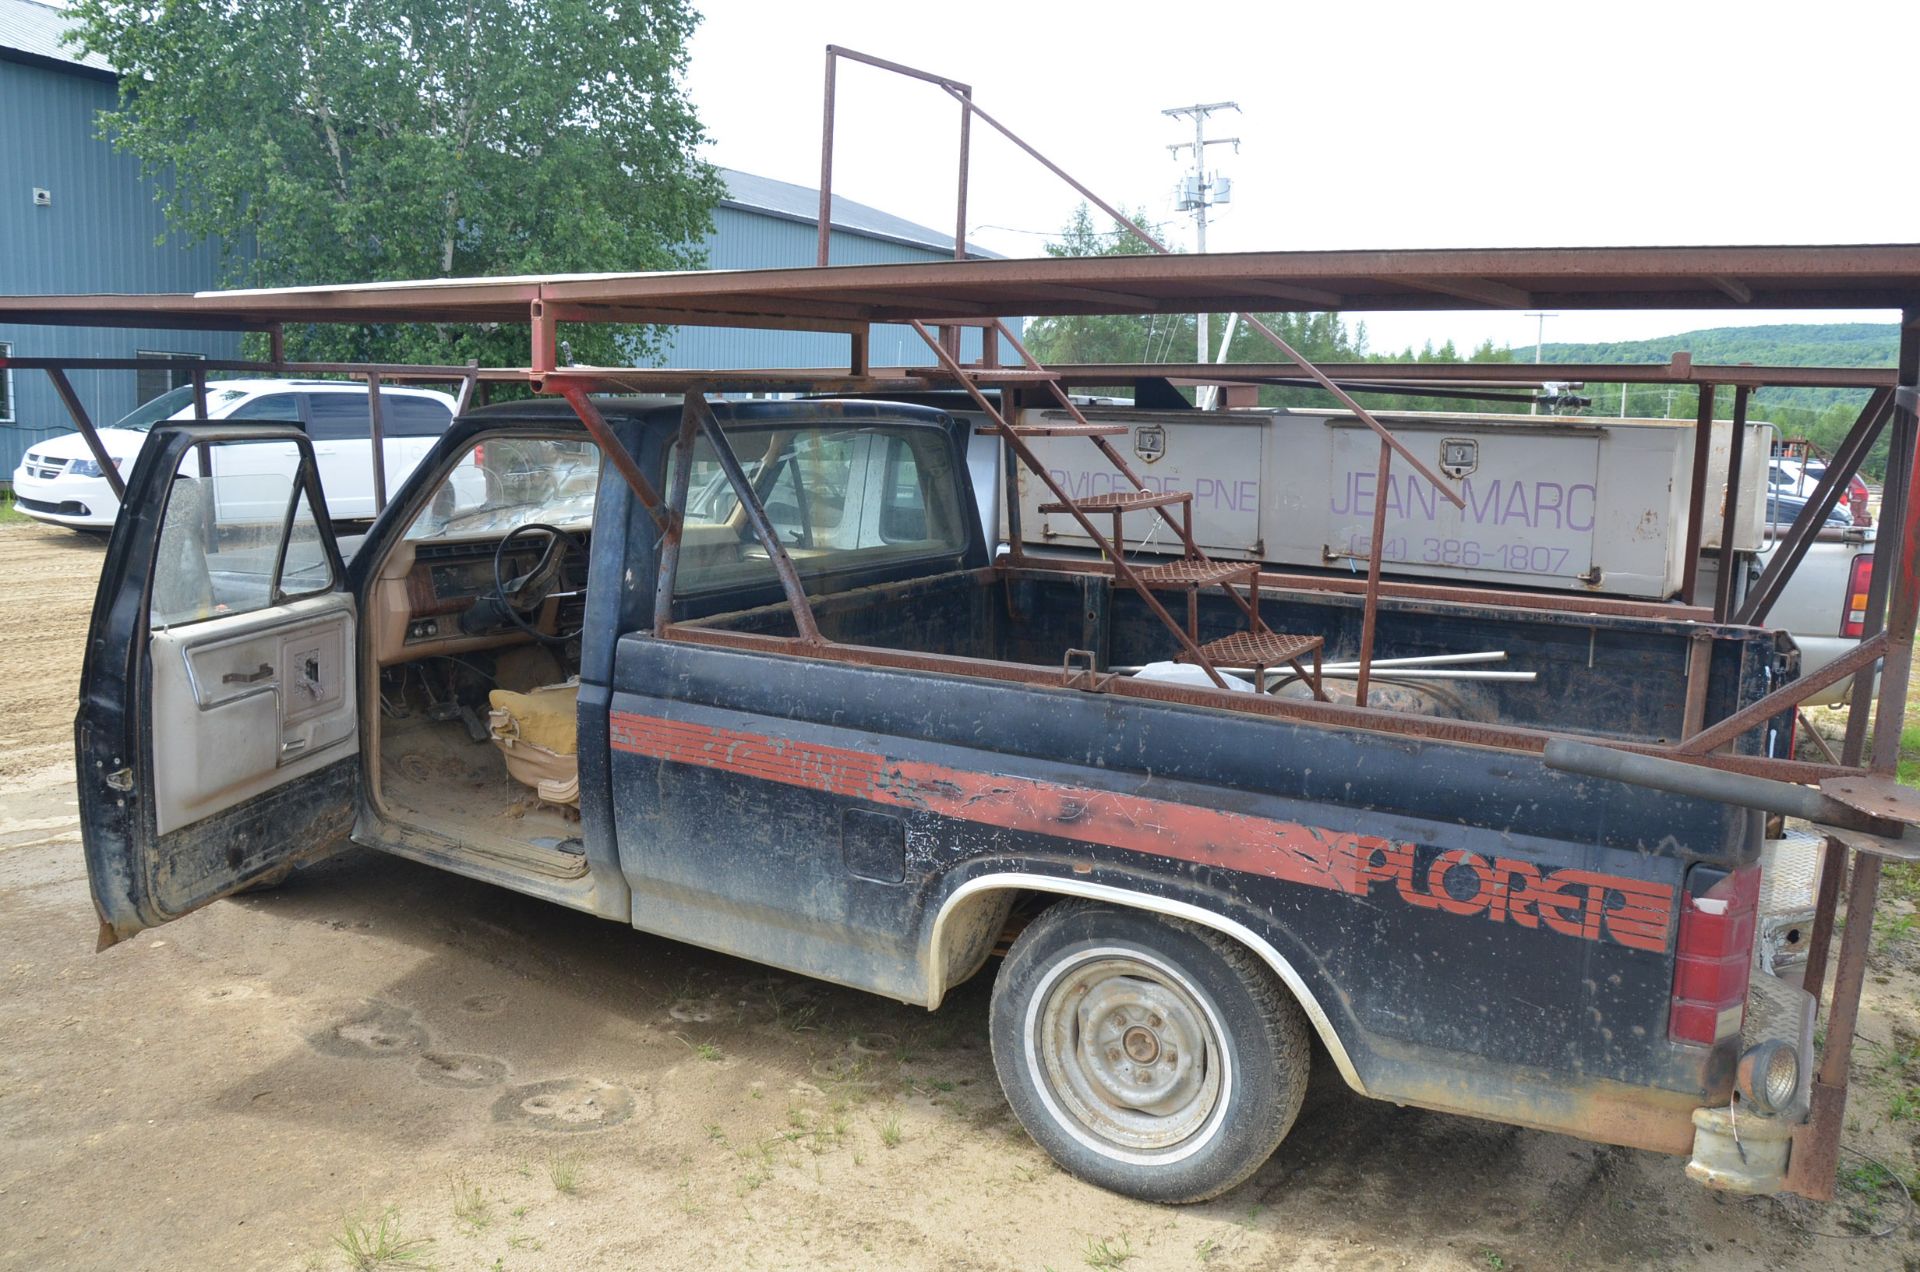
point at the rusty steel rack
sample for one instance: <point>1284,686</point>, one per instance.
<point>1863,812</point>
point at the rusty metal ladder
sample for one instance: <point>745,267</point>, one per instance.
<point>1258,646</point>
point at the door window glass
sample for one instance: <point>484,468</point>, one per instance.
<point>409,416</point>
<point>339,417</point>
<point>281,408</point>
<point>237,535</point>
<point>504,482</point>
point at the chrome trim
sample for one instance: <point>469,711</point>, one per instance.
<point>1001,880</point>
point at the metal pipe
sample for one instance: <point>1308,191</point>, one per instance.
<point>960,202</point>
<point>1806,527</point>
<point>757,517</point>
<point>1681,778</point>
<point>1697,494</point>
<point>1370,607</point>
<point>377,429</point>
<point>88,433</point>
<point>616,454</point>
<point>1730,509</point>
<point>1816,1155</point>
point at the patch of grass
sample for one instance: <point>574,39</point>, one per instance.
<point>565,1174</point>
<point>1493,1260</point>
<point>377,1244</point>
<point>1206,1249</point>
<point>10,515</point>
<point>890,1132</point>
<point>470,1206</point>
<point>1109,1252</point>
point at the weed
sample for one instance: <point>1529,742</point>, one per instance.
<point>1905,1106</point>
<point>371,1245</point>
<point>1206,1249</point>
<point>518,1212</point>
<point>1493,1261</point>
<point>716,1135</point>
<point>1024,1174</point>
<point>470,1206</point>
<point>890,1133</point>
<point>940,1084</point>
<point>522,1242</point>
<point>688,1206</point>
<point>1109,1252</point>
<point>705,1050</point>
<point>10,514</point>
<point>564,1172</point>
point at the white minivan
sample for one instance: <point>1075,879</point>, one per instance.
<point>61,483</point>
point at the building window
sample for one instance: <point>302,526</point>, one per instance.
<point>6,387</point>
<point>151,382</point>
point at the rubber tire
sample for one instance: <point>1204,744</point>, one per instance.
<point>1266,1039</point>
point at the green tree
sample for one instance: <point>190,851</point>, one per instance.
<point>1109,337</point>
<point>392,139</point>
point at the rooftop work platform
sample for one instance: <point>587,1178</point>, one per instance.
<point>1882,276</point>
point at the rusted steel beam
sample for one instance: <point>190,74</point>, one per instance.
<point>1448,593</point>
<point>1816,1153</point>
<point>1372,719</point>
<point>1697,494</point>
<point>757,518</point>
<point>678,479</point>
<point>377,430</point>
<point>824,226</point>
<point>1117,552</point>
<point>1791,694</point>
<point>1370,607</point>
<point>1693,714</point>
<point>960,200</point>
<point>545,353</point>
<point>617,455</point>
<point>1730,509</point>
<point>88,434</point>
<point>1800,536</point>
<point>1679,372</point>
<point>468,383</point>
<point>277,345</point>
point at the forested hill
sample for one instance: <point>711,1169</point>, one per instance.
<point>1833,344</point>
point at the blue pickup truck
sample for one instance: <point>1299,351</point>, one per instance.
<point>541,678</point>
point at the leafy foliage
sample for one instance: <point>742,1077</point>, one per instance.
<point>374,140</point>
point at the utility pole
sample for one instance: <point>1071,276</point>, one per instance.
<point>1539,343</point>
<point>1198,191</point>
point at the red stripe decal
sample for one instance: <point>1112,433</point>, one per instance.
<point>1579,903</point>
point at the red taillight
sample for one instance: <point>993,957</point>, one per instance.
<point>1714,954</point>
<point>480,455</point>
<point>1853,618</point>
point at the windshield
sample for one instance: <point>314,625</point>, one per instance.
<point>507,482</point>
<point>173,403</point>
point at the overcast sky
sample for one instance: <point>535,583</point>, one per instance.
<point>1362,125</point>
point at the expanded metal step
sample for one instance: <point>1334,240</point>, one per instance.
<point>1257,649</point>
<point>1123,501</point>
<point>1196,573</point>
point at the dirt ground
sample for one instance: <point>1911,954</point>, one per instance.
<point>383,1057</point>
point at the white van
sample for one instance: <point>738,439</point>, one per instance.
<point>61,483</point>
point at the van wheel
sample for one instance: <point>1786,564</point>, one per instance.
<point>1147,1055</point>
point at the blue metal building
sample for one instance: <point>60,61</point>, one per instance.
<point>76,215</point>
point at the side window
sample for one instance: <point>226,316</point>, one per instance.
<point>281,408</point>
<point>840,499</point>
<point>236,535</point>
<point>339,417</point>
<point>413,416</point>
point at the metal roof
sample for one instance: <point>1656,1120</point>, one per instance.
<point>34,29</point>
<point>792,202</point>
<point>848,297</point>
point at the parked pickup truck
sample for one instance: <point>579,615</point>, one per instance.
<point>1206,890</point>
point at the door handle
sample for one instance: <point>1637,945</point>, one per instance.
<point>293,746</point>
<point>247,677</point>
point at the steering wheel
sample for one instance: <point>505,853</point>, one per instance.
<point>527,593</point>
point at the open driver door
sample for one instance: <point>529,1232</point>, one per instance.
<point>217,741</point>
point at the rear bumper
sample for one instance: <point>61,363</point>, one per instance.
<point>1735,1148</point>
<point>84,503</point>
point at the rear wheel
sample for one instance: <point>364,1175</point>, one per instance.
<point>1145,1054</point>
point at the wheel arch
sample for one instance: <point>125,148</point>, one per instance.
<point>977,898</point>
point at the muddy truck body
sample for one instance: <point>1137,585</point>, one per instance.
<point>1206,890</point>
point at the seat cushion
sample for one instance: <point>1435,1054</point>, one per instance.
<point>547,717</point>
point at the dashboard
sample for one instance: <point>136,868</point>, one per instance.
<point>424,589</point>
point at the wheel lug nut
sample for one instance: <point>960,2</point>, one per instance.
<point>1113,1054</point>
<point>1153,1021</point>
<point>1119,1021</point>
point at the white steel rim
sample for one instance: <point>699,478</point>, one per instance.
<point>1128,1056</point>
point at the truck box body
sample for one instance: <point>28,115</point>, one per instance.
<point>1574,503</point>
